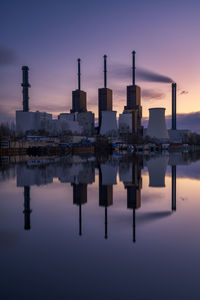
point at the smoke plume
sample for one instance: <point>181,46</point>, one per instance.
<point>122,71</point>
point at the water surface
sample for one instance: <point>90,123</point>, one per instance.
<point>123,228</point>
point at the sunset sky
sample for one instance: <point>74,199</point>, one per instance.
<point>49,36</point>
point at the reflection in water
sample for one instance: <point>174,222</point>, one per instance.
<point>173,188</point>
<point>131,207</point>
<point>79,198</point>
<point>27,210</point>
<point>107,177</point>
<point>157,168</point>
<point>81,172</point>
<point>133,188</point>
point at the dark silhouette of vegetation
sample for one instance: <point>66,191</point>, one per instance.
<point>7,131</point>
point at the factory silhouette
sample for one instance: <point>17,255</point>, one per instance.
<point>80,121</point>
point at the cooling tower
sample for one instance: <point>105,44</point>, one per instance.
<point>108,123</point>
<point>157,125</point>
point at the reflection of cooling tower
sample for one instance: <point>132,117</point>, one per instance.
<point>108,123</point>
<point>157,168</point>
<point>109,174</point>
<point>157,125</point>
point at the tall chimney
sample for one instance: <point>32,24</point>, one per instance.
<point>25,85</point>
<point>79,74</point>
<point>133,67</point>
<point>105,72</point>
<point>174,106</point>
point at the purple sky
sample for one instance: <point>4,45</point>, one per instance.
<point>49,36</point>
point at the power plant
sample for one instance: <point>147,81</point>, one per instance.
<point>79,121</point>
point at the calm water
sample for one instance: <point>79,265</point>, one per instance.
<point>125,228</point>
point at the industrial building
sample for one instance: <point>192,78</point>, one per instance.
<point>132,115</point>
<point>79,121</point>
<point>157,125</point>
<point>79,103</point>
<point>109,123</point>
<point>104,95</point>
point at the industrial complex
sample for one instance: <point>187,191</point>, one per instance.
<point>81,122</point>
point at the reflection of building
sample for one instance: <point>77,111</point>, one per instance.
<point>27,210</point>
<point>107,177</point>
<point>133,185</point>
<point>157,168</point>
<point>80,198</point>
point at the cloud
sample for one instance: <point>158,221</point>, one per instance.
<point>7,56</point>
<point>51,108</point>
<point>150,94</point>
<point>183,92</point>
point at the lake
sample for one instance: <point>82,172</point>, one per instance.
<point>121,227</point>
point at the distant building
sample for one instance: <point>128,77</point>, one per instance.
<point>86,120</point>
<point>32,121</point>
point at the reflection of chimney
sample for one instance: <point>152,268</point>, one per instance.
<point>134,192</point>
<point>105,198</point>
<point>80,198</point>
<point>25,85</point>
<point>27,210</point>
<point>174,106</point>
<point>174,188</point>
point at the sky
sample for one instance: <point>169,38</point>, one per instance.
<point>49,36</point>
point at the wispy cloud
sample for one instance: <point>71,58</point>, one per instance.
<point>7,56</point>
<point>151,94</point>
<point>183,92</point>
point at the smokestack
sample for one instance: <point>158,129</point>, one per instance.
<point>25,85</point>
<point>105,72</point>
<point>133,67</point>
<point>174,106</point>
<point>79,74</point>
